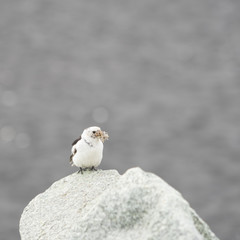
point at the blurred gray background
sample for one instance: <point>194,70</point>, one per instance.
<point>162,77</point>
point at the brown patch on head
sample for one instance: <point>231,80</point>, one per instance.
<point>98,133</point>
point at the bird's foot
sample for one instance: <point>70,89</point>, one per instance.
<point>87,168</point>
<point>80,170</point>
<point>93,168</point>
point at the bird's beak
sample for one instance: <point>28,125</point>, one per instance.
<point>101,135</point>
<point>98,133</point>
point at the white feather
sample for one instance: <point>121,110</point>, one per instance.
<point>88,151</point>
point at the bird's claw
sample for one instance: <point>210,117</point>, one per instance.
<point>93,168</point>
<point>84,169</point>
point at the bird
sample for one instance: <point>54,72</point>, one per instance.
<point>87,150</point>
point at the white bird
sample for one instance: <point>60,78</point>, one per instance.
<point>87,150</point>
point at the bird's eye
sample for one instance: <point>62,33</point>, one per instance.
<point>93,132</point>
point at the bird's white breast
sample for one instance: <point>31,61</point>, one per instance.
<point>88,155</point>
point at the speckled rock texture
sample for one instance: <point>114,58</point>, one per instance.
<point>106,205</point>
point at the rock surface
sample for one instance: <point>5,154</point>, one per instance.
<point>106,205</point>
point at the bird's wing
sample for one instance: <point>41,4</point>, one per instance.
<point>74,150</point>
<point>76,140</point>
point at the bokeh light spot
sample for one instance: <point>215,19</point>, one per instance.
<point>100,115</point>
<point>7,134</point>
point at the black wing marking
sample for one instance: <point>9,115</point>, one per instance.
<point>76,140</point>
<point>71,157</point>
<point>75,150</point>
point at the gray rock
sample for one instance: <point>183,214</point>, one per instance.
<point>106,205</point>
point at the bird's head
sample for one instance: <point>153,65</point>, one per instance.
<point>95,133</point>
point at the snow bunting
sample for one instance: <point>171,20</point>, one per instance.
<point>87,150</point>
